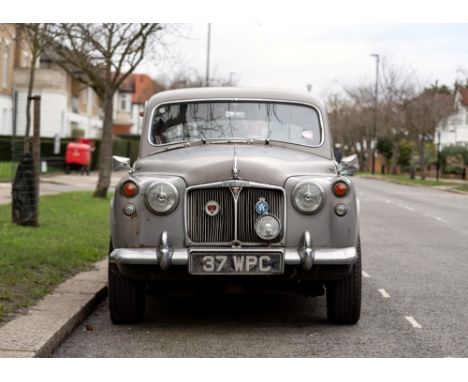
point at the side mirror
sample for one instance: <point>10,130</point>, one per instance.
<point>349,164</point>
<point>119,163</point>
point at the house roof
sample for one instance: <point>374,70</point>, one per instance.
<point>141,86</point>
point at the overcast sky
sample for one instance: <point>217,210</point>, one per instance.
<point>325,56</point>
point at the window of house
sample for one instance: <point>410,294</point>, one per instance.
<point>123,102</point>
<point>5,64</point>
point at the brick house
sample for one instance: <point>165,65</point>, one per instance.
<point>130,101</point>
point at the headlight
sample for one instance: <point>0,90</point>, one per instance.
<point>267,227</point>
<point>308,197</point>
<point>161,198</point>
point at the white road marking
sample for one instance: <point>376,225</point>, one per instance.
<point>413,322</point>
<point>388,201</point>
<point>440,219</point>
<point>406,207</point>
<point>365,274</point>
<point>384,293</point>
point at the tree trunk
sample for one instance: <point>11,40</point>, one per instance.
<point>422,162</point>
<point>105,151</point>
<point>32,73</point>
<point>396,156</point>
<point>36,155</point>
<point>369,158</point>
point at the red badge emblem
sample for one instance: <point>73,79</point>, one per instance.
<point>212,208</point>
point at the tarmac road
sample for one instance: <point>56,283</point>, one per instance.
<point>415,300</point>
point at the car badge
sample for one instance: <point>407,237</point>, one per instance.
<point>262,207</point>
<point>235,191</point>
<point>212,208</point>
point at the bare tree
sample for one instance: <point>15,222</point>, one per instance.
<point>353,117</point>
<point>398,86</point>
<point>102,56</point>
<point>191,78</point>
<point>423,113</point>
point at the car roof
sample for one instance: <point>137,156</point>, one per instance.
<point>236,92</point>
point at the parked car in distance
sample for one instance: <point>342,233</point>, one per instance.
<point>238,186</point>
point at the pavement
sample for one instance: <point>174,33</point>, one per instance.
<point>48,323</point>
<point>57,183</point>
<point>415,267</point>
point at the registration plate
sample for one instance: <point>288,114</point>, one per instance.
<point>257,263</point>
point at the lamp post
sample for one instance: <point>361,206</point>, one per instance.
<point>374,127</point>
<point>208,48</point>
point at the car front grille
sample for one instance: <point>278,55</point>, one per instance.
<point>235,221</point>
<point>202,228</point>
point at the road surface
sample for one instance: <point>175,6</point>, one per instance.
<point>415,297</point>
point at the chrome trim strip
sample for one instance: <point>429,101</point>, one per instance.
<point>224,99</point>
<point>147,256</point>
<point>234,183</point>
<point>235,168</point>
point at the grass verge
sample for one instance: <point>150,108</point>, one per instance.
<point>7,169</point>
<point>404,179</point>
<point>73,234</point>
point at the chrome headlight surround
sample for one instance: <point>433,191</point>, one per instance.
<point>259,227</point>
<point>167,193</point>
<point>314,193</point>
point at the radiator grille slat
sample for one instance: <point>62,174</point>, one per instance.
<point>202,228</point>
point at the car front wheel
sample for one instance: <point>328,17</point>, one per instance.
<point>126,298</point>
<point>344,296</point>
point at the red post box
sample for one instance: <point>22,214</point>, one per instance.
<point>78,155</point>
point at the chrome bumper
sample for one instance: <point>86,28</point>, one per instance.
<point>166,256</point>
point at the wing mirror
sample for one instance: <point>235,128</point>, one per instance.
<point>119,163</point>
<point>348,164</point>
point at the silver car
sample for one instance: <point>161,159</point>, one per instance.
<point>235,186</point>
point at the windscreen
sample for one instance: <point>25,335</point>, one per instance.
<point>189,121</point>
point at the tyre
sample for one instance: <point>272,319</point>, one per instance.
<point>126,298</point>
<point>344,296</point>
